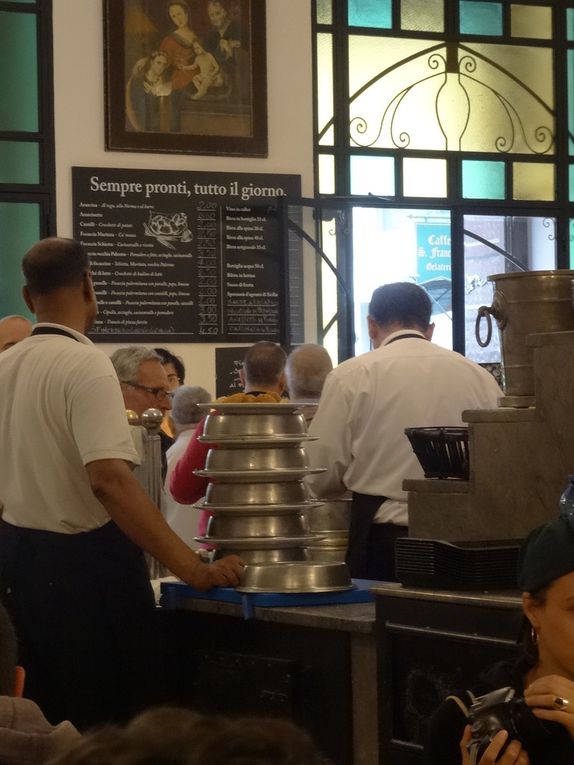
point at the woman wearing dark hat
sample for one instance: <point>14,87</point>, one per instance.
<point>543,675</point>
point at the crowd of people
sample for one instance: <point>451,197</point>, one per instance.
<point>76,522</point>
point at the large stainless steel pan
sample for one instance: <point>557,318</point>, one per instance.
<point>228,526</point>
<point>312,576</point>
<point>264,493</point>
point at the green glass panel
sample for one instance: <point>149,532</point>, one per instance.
<point>19,229</point>
<point>424,177</point>
<point>19,162</point>
<point>370,13</point>
<point>482,180</point>
<point>478,18</point>
<point>422,15</point>
<point>531,21</point>
<point>373,175</point>
<point>570,24</point>
<point>324,12</point>
<point>324,88</point>
<point>570,66</point>
<point>533,181</point>
<point>571,183</point>
<point>18,72</point>
<point>571,243</point>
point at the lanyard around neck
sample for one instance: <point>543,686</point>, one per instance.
<point>404,337</point>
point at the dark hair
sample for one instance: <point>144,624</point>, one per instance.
<point>100,747</point>
<point>152,56</point>
<point>264,363</point>
<point>182,4</point>
<point>401,303</point>
<point>174,736</point>
<point>54,263</point>
<point>165,734</point>
<point>256,741</point>
<point>8,653</point>
<point>167,357</point>
<point>526,640</point>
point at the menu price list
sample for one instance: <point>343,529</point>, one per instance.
<point>176,259</point>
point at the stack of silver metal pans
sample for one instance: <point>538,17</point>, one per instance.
<point>256,495</point>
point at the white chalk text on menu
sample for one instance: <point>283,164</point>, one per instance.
<point>183,256</point>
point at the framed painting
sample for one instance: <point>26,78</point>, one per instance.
<point>187,77</point>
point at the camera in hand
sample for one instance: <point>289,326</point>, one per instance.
<point>502,710</point>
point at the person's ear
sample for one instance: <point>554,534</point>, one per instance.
<point>88,285</point>
<point>428,333</point>
<point>28,298</point>
<point>372,327</point>
<point>530,610</point>
<point>19,680</point>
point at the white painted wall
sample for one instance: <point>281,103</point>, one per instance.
<point>79,120</point>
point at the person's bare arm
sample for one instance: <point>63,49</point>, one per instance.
<point>141,520</point>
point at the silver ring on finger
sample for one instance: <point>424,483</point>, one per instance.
<point>560,703</point>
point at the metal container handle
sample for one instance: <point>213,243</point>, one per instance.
<point>483,313</point>
<point>498,311</point>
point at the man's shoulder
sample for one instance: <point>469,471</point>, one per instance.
<point>354,365</point>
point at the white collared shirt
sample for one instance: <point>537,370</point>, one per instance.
<point>367,403</point>
<point>61,408</point>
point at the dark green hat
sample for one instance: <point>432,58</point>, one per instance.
<point>546,555</point>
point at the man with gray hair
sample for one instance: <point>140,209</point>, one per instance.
<point>185,415</point>
<point>143,379</point>
<point>144,385</point>
<point>306,370</point>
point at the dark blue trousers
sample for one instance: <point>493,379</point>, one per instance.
<point>84,613</point>
<point>371,547</point>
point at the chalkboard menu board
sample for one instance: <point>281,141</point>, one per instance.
<point>183,256</point>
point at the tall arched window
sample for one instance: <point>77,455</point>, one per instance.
<point>452,124</point>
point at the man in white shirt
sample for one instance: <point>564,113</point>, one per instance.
<point>75,520</point>
<point>366,404</point>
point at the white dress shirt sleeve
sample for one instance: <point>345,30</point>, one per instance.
<point>333,448</point>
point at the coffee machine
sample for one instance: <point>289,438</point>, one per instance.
<point>522,452</point>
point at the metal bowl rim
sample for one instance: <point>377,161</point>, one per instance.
<point>253,474</point>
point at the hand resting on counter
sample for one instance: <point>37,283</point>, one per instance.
<point>141,520</point>
<point>225,572</point>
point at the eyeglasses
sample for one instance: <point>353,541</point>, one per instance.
<point>159,393</point>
